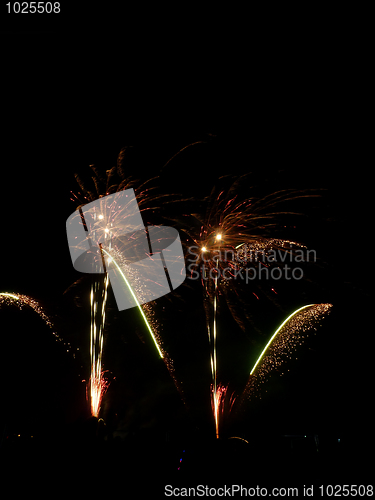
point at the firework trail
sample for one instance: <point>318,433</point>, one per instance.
<point>289,335</point>
<point>98,384</point>
<point>110,259</point>
<point>219,403</point>
<point>19,300</point>
<point>116,257</point>
<point>215,398</point>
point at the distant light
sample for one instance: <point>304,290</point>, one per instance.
<point>101,216</point>
<point>218,237</point>
<point>106,230</point>
<point>204,249</point>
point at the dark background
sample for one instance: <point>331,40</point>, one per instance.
<point>60,118</point>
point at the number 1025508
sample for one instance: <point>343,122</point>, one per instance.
<point>33,7</point>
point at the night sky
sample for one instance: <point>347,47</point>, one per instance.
<point>69,122</point>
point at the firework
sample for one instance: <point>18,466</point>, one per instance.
<point>98,386</point>
<point>112,251</point>
<point>115,180</point>
<point>220,402</point>
<point>284,342</point>
<point>212,342</point>
<point>229,237</point>
<point>111,260</point>
<point>20,301</point>
<point>116,258</point>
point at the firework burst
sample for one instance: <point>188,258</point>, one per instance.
<point>227,237</point>
<point>292,333</point>
<point>112,254</point>
<point>227,232</point>
<point>226,241</point>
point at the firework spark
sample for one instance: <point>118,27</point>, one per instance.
<point>115,257</point>
<point>98,385</point>
<point>221,401</point>
<point>115,180</point>
<point>230,235</point>
<point>20,301</point>
<point>291,333</point>
<point>212,341</point>
<point>112,260</point>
